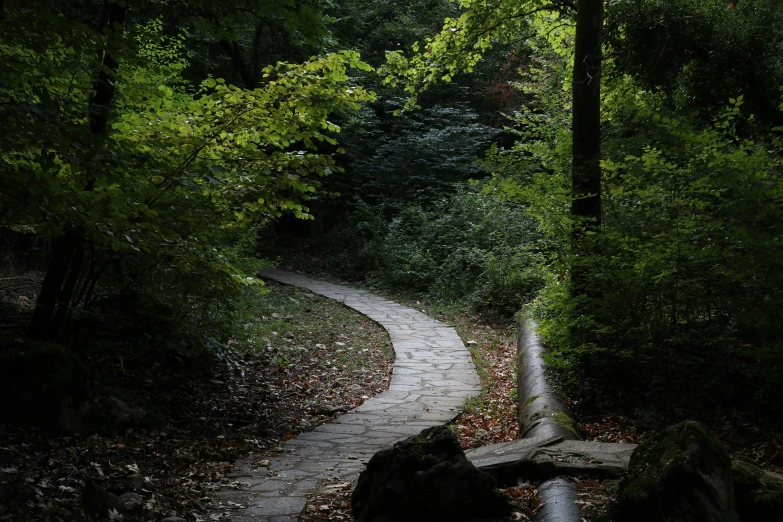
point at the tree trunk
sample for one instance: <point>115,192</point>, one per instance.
<point>586,135</point>
<point>67,260</point>
<point>234,53</point>
<point>49,295</point>
<point>113,19</point>
<point>66,298</point>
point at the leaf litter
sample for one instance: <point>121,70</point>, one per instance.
<point>291,372</point>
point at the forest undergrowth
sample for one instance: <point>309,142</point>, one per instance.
<point>152,154</point>
<point>492,417</point>
<point>298,360</point>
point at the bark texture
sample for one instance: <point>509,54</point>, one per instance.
<point>586,142</point>
<point>586,168</point>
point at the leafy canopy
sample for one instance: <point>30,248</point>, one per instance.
<point>464,40</point>
<point>180,166</point>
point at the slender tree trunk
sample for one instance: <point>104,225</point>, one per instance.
<point>234,53</point>
<point>66,298</point>
<point>49,295</point>
<point>586,133</point>
<point>113,19</point>
<point>67,259</point>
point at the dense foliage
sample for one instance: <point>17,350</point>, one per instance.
<point>682,277</point>
<point>469,248</point>
<point>684,273</point>
<point>687,276</point>
<point>145,147</point>
<point>138,173</point>
<point>697,55</point>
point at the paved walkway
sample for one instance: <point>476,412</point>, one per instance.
<point>433,376</point>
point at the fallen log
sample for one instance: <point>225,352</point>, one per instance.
<point>543,458</point>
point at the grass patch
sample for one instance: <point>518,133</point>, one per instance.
<point>291,322</point>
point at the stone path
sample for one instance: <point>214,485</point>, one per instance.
<point>433,376</point>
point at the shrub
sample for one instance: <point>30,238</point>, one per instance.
<point>469,247</point>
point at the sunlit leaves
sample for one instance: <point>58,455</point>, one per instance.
<point>463,41</point>
<point>180,165</point>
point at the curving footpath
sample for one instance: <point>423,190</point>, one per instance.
<point>433,376</point>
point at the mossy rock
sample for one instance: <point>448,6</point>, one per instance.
<point>426,478</point>
<point>759,494</point>
<point>682,474</point>
<point>44,385</point>
<point>117,414</point>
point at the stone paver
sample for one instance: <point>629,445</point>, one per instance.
<point>433,376</point>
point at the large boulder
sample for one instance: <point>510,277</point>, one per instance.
<point>426,477</point>
<point>759,494</point>
<point>683,474</point>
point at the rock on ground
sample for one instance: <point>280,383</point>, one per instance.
<point>759,494</point>
<point>425,477</point>
<point>131,501</point>
<point>120,414</point>
<point>97,501</point>
<point>682,474</point>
